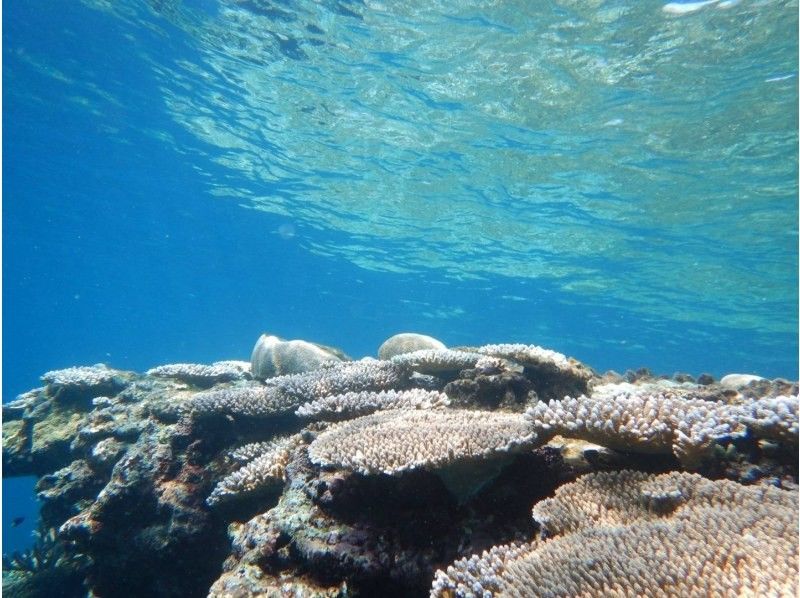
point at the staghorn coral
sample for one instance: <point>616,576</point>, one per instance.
<point>262,471</point>
<point>629,533</point>
<point>395,441</point>
<point>353,404</point>
<point>202,375</point>
<point>273,356</point>
<point>435,361</point>
<point>657,423</point>
<point>407,342</point>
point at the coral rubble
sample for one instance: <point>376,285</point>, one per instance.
<point>315,475</point>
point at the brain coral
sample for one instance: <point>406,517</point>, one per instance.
<point>406,342</point>
<point>395,441</point>
<point>275,357</point>
<point>634,534</point>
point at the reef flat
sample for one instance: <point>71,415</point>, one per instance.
<point>499,470</point>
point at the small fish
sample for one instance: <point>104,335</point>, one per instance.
<point>17,521</point>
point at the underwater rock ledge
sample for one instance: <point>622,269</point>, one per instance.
<point>441,471</point>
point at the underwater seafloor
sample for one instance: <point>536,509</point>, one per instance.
<point>500,470</point>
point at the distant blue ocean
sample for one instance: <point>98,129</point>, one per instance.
<point>616,181</point>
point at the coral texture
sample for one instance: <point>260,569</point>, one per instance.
<point>339,378</point>
<point>203,375</point>
<point>81,376</point>
<point>629,533</point>
<point>407,342</point>
<point>250,401</point>
<point>433,361</point>
<point>146,472</point>
<point>353,404</point>
<point>263,470</point>
<point>659,423</point>
<point>395,441</point>
<point>773,417</point>
<point>663,422</point>
<point>275,357</point>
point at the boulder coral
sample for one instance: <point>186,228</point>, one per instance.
<point>273,356</point>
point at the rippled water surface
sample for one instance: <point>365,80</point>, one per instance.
<point>634,154</point>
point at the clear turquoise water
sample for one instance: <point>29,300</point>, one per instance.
<point>614,180</point>
<point>629,155</point>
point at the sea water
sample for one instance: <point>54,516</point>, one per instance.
<point>613,180</point>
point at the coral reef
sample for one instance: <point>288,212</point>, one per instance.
<point>362,478</point>
<point>624,533</point>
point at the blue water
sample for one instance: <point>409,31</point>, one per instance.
<point>615,182</point>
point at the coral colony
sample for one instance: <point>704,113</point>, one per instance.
<point>501,470</point>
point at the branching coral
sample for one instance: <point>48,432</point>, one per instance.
<point>250,451</point>
<point>339,378</point>
<point>250,401</point>
<point>774,418</point>
<point>262,471</point>
<point>658,423</point>
<point>433,361</point>
<point>629,533</point>
<point>82,376</point>
<point>552,374</point>
<point>353,404</point>
<point>201,374</point>
<point>395,441</point>
<point>284,394</point>
<point>537,358</point>
<point>663,422</point>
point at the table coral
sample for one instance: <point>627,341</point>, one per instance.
<point>354,404</point>
<point>632,534</point>
<point>395,441</point>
